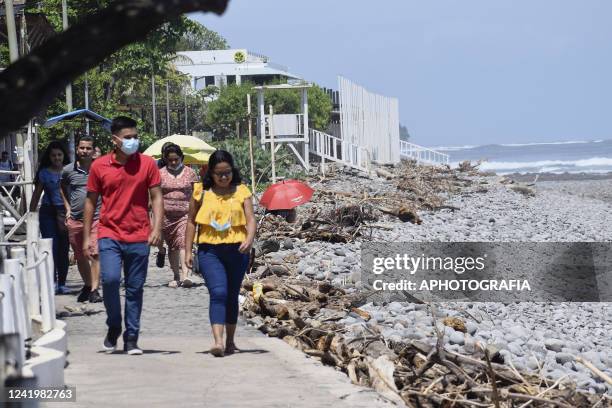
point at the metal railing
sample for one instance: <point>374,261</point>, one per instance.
<point>11,200</point>
<point>26,295</point>
<point>422,154</point>
<point>8,188</point>
<point>27,303</point>
<point>332,148</point>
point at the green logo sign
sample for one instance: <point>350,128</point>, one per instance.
<point>239,57</point>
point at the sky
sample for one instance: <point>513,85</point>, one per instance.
<point>466,72</point>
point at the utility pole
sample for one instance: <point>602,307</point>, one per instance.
<point>153,102</point>
<point>87,102</point>
<point>11,29</point>
<point>272,146</point>
<point>251,158</point>
<point>168,108</point>
<point>23,43</point>
<point>69,86</point>
<point>186,122</point>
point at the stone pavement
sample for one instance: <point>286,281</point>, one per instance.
<point>176,369</point>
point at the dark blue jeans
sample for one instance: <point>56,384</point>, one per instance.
<point>223,268</point>
<point>51,221</point>
<point>135,259</point>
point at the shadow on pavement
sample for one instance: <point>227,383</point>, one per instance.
<point>144,351</point>
<point>242,351</point>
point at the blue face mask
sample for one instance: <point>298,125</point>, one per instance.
<point>223,227</point>
<point>130,146</point>
<point>220,228</point>
<point>176,168</point>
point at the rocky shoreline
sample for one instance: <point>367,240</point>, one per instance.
<point>544,337</point>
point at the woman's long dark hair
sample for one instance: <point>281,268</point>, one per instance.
<point>45,159</point>
<point>220,156</point>
<point>172,148</point>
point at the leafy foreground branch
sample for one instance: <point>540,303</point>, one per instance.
<point>31,83</point>
<point>306,315</point>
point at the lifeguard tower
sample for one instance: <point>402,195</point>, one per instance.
<point>288,128</point>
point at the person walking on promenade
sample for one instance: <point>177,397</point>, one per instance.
<point>124,179</point>
<point>52,214</point>
<point>74,191</point>
<point>223,209</point>
<point>177,187</point>
<point>160,258</point>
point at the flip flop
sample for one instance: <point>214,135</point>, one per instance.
<point>231,349</point>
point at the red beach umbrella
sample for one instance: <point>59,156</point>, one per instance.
<point>286,195</point>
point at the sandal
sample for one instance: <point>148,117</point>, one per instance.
<point>231,349</point>
<point>217,351</point>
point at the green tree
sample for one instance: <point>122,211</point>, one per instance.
<point>121,84</point>
<point>286,165</point>
<point>202,39</point>
<point>403,131</point>
<point>227,109</point>
<point>230,107</point>
<point>4,55</point>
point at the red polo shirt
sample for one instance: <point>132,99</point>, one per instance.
<point>124,215</point>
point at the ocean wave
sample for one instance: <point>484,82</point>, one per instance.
<point>547,165</point>
<point>453,148</point>
<point>467,147</point>
<point>548,143</point>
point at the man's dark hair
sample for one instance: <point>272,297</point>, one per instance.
<point>85,138</point>
<point>122,122</point>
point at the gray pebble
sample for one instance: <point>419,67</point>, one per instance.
<point>471,327</point>
<point>515,349</point>
<point>563,358</point>
<point>518,332</point>
<point>457,338</point>
<point>288,243</point>
<point>310,271</point>
<point>554,344</point>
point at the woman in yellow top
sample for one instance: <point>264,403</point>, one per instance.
<point>223,209</point>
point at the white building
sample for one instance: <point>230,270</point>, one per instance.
<point>224,67</point>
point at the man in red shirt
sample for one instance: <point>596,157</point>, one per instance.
<point>124,179</point>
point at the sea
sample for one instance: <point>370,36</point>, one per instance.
<point>593,157</point>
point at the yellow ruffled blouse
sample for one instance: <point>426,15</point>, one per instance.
<point>221,208</point>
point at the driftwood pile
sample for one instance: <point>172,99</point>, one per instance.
<point>340,225</point>
<point>342,216</point>
<point>306,315</point>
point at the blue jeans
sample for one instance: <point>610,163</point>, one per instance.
<point>135,258</point>
<point>51,221</point>
<point>223,268</point>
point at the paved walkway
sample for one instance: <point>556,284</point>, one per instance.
<point>176,369</point>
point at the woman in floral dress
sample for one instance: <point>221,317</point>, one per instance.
<point>177,188</point>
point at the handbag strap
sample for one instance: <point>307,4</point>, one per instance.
<point>197,236</point>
